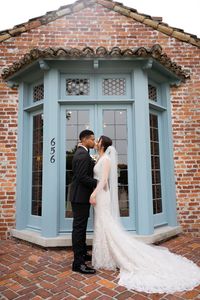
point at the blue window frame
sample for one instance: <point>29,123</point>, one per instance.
<point>122,87</point>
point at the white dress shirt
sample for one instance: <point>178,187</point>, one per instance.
<point>84,147</point>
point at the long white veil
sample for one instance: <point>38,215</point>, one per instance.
<point>113,182</point>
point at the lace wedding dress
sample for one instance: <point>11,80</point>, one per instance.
<point>142,267</point>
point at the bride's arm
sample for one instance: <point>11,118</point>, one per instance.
<point>103,183</point>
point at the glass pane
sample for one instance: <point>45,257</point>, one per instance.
<point>83,117</point>
<point>155,165</point>
<point>121,131</point>
<point>70,145</point>
<point>121,146</point>
<point>37,158</point>
<point>117,130</point>
<point>120,117</point>
<point>155,148</point>
<point>72,132</point>
<point>122,159</point>
<point>76,121</point>
<point>71,117</point>
<point>109,117</point>
<point>109,130</point>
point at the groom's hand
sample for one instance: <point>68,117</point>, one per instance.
<point>92,200</point>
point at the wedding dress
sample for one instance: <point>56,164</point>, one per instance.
<point>143,267</point>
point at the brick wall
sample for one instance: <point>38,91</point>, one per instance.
<point>98,26</point>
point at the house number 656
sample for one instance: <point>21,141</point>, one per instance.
<point>53,150</point>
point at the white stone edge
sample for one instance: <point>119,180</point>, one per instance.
<point>64,240</point>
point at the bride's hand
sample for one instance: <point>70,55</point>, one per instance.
<point>92,200</point>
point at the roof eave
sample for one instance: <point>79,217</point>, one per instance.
<point>149,56</point>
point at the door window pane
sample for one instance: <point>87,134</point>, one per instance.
<point>155,165</point>
<point>120,117</point>
<point>121,131</point>
<point>72,132</point>
<point>121,146</point>
<point>115,127</point>
<point>83,117</point>
<point>109,117</point>
<point>76,121</point>
<point>109,130</point>
<point>37,158</point>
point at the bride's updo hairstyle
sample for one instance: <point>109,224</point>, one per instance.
<point>105,142</point>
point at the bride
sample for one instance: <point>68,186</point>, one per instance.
<point>143,267</point>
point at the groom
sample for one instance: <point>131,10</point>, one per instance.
<point>83,184</point>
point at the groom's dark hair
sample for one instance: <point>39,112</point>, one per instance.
<point>85,133</point>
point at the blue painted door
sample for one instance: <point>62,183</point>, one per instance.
<point>115,121</point>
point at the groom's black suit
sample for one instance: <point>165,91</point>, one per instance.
<point>82,186</point>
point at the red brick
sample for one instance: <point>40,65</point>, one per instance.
<point>107,291</point>
<point>9,294</point>
<point>190,294</point>
<point>126,295</point>
<point>43,293</point>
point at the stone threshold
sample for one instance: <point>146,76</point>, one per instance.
<point>64,240</point>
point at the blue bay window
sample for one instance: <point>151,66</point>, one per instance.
<point>128,100</point>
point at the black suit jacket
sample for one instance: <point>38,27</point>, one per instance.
<point>83,182</point>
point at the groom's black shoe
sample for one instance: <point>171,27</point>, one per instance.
<point>88,257</point>
<point>84,269</point>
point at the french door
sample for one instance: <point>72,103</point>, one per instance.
<point>115,121</point>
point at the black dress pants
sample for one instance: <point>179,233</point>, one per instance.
<point>80,218</point>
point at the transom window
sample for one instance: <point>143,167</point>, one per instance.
<point>77,87</point>
<point>153,93</point>
<point>114,86</point>
<point>38,92</point>
<point>96,86</point>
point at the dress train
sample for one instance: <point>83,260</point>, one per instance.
<point>144,268</point>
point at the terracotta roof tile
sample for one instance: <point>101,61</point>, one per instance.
<point>154,22</point>
<point>165,29</point>
<point>155,52</point>
<point>137,17</point>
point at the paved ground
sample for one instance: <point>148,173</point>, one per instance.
<point>31,272</point>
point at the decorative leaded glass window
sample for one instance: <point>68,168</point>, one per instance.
<point>114,87</point>
<point>38,92</point>
<point>152,93</point>
<point>155,165</point>
<point>37,158</point>
<point>78,87</point>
